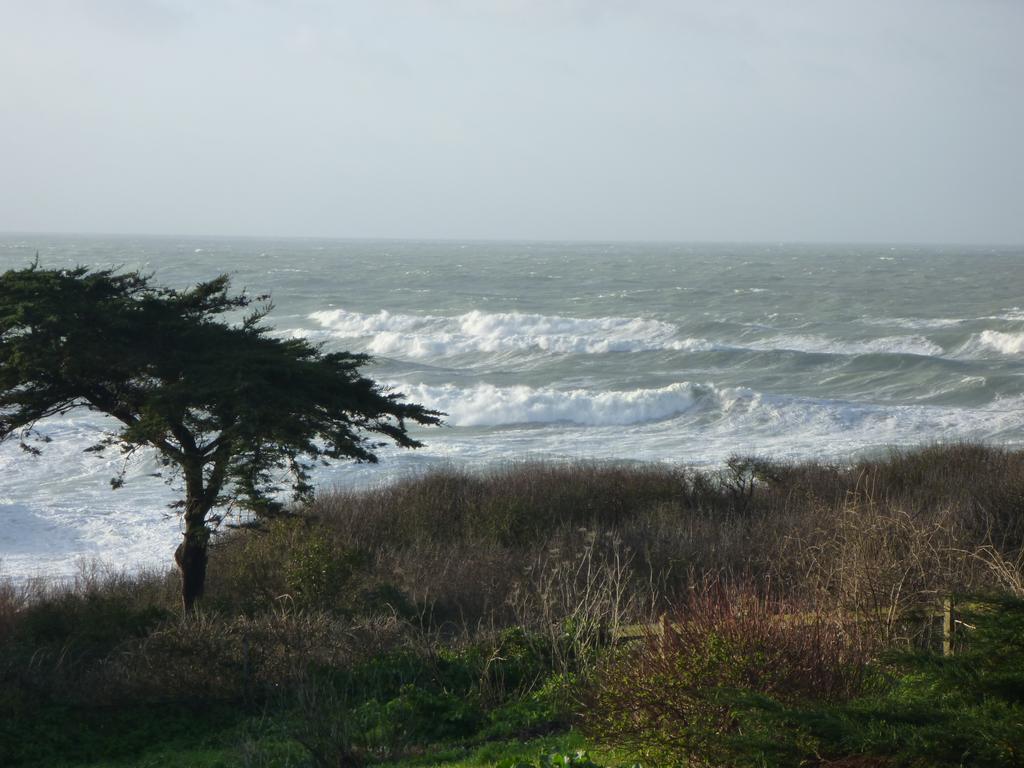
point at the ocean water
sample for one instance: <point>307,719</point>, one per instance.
<point>653,352</point>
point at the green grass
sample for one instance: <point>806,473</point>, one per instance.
<point>495,752</point>
<point>258,743</point>
<point>224,737</point>
<point>142,735</point>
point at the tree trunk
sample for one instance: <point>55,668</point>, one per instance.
<point>191,556</point>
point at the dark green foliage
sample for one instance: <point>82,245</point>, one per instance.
<point>416,715</point>
<point>965,709</point>
<point>578,759</point>
<point>179,378</point>
<point>395,701</point>
<point>495,688</point>
<point>56,735</point>
<point>542,710</point>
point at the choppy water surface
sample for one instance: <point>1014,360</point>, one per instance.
<point>682,353</point>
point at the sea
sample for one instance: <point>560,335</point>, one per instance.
<point>682,353</point>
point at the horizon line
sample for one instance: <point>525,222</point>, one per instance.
<point>556,240</point>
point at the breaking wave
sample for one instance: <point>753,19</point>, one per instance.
<point>889,345</point>
<point>486,405</point>
<point>714,412</point>
<point>425,336</point>
<point>998,341</point>
<point>419,337</point>
<point>916,323</point>
<point>985,343</point>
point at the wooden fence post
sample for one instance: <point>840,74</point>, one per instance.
<point>948,623</point>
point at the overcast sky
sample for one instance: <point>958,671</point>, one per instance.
<point>898,120</point>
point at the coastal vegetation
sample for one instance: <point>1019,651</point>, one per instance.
<point>764,613</point>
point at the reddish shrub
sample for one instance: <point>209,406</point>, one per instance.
<point>671,699</point>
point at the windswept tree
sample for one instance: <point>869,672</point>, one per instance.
<point>230,409</point>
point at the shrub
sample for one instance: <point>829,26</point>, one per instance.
<point>389,702</point>
<point>672,699</point>
<point>578,759</point>
<point>544,710</point>
<point>416,715</point>
<point>718,702</point>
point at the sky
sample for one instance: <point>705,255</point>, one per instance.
<point>721,120</point>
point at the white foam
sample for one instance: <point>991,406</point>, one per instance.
<point>900,345</point>
<point>346,324</point>
<point>59,508</point>
<point>706,412</point>
<point>1004,343</point>
<point>1010,314</point>
<point>487,405</point>
<point>700,424</point>
<point>916,323</point>
<point>420,337</point>
<point>476,332</point>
